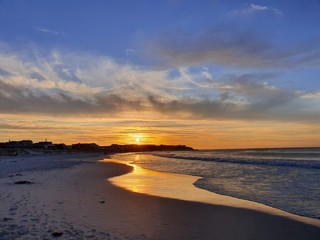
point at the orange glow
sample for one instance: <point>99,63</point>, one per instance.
<point>179,186</point>
<point>136,138</point>
<point>201,134</point>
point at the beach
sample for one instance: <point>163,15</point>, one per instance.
<point>78,201</point>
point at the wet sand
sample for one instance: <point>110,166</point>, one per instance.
<point>180,186</point>
<point>162,218</point>
<point>83,204</point>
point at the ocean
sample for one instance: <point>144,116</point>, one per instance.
<point>287,179</point>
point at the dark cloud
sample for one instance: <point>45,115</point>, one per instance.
<point>261,102</point>
<point>265,103</point>
<point>219,109</point>
<point>108,88</point>
<point>259,93</point>
<point>17,99</point>
<point>202,108</point>
<point>27,126</point>
<point>228,46</point>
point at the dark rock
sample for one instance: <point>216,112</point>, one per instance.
<point>23,182</point>
<point>102,201</point>
<point>5,219</point>
<point>57,234</point>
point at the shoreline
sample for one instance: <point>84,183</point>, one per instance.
<point>181,186</point>
<point>291,188</point>
<point>81,202</point>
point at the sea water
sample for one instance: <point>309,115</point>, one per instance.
<point>287,179</point>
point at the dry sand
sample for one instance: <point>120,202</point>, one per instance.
<point>81,203</point>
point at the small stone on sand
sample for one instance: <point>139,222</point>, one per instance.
<point>57,234</point>
<point>23,182</point>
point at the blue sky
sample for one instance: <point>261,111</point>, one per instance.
<point>110,27</point>
<point>127,30</point>
<point>208,60</point>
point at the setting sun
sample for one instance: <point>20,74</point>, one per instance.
<point>160,119</point>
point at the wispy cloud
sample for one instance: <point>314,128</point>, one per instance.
<point>66,84</point>
<point>252,9</point>
<point>47,30</point>
<point>130,51</point>
<point>242,97</point>
<point>312,95</point>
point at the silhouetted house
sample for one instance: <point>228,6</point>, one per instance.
<point>19,144</point>
<point>60,147</point>
<point>43,145</point>
<point>3,145</point>
<point>115,148</point>
<point>87,147</point>
<point>145,148</point>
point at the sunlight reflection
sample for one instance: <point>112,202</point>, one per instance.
<point>137,157</point>
<point>179,186</point>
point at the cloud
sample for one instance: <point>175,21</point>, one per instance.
<point>252,9</point>
<point>47,30</point>
<point>228,46</point>
<point>312,95</point>
<point>209,109</point>
<point>77,84</point>
<point>259,101</point>
<point>130,51</point>
<point>24,100</point>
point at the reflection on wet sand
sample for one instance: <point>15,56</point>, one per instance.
<point>181,187</point>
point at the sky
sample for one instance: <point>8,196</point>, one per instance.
<point>208,74</point>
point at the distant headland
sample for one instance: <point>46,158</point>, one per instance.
<point>28,146</point>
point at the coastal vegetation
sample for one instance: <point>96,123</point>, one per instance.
<point>28,146</point>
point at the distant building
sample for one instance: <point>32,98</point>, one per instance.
<point>145,148</point>
<point>60,146</point>
<point>19,144</point>
<point>85,147</point>
<point>43,145</point>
